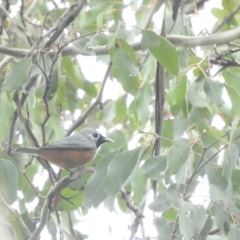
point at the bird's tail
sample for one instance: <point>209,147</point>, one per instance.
<point>27,150</point>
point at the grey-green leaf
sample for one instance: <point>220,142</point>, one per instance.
<point>9,179</point>
<point>18,75</point>
<point>94,191</point>
<point>167,55</point>
<point>120,169</point>
<point>125,72</point>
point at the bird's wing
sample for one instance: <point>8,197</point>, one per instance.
<point>76,141</point>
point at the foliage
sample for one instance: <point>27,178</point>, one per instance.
<point>66,65</point>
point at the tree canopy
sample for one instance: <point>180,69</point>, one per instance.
<point>160,78</point>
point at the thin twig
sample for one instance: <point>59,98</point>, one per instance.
<point>23,21</point>
<point>30,134</point>
<point>70,223</point>
<point>227,19</point>
<point>47,77</point>
<point>134,229</point>
<point>156,6</point>
<point>136,210</point>
<point>25,91</point>
<point>55,190</point>
<point>199,166</point>
<point>64,23</point>
<point>89,109</point>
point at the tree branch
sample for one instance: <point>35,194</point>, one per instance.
<point>5,61</point>
<point>136,210</point>
<point>184,41</point>
<point>56,189</point>
<point>64,23</point>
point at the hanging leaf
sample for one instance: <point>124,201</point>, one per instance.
<point>167,55</point>
<point>18,75</point>
<point>214,90</point>
<point>149,38</point>
<point>177,156</point>
<point>120,169</point>
<point>9,179</point>
<point>94,191</point>
<point>125,72</point>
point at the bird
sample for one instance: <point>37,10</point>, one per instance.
<point>72,151</point>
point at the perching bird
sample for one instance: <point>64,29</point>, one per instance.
<point>72,151</point>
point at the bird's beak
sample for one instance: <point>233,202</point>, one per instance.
<point>104,139</point>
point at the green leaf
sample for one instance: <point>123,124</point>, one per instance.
<point>142,102</point>
<point>11,226</point>
<point>160,204</point>
<point>180,125</point>
<point>94,191</point>
<point>108,112</point>
<point>164,227</point>
<point>139,188</point>
<point>52,86</point>
<point>234,234</point>
<point>201,117</point>
<point>78,184</point>
<point>234,132</point>
<point>217,192</point>
<point>178,93</point>
<point>167,133</point>
<point>6,104</point>
<point>235,99</point>
<point>112,39</point>
<point>231,160</point>
<point>42,64</point>
<point>90,88</point>
<point>219,13</point>
<point>120,169</point>
<point>206,228</point>
<point>199,216</point>
<point>214,90</point>
<point>18,75</point>
<point>177,155</point>
<point>29,222</point>
<point>215,176</point>
<point>171,214</point>
<point>125,72</point>
<point>149,38</point>
<point>235,179</point>
<point>186,225</point>
<point>154,166</point>
<point>173,196</point>
<point>196,95</point>
<point>231,77</point>
<point>121,106</point>
<point>127,49</point>
<point>9,179</point>
<point>167,55</point>
<point>75,199</point>
<point>221,217</point>
<point>73,72</point>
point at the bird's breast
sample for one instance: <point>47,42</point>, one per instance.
<point>67,158</point>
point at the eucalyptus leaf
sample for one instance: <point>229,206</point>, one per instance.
<point>120,169</point>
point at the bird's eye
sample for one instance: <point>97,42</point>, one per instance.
<point>95,135</point>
